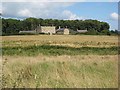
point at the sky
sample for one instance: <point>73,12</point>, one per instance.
<point>105,10</point>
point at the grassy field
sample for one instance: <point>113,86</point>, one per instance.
<point>67,40</point>
<point>60,61</point>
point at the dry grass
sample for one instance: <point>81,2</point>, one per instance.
<point>66,40</point>
<point>61,71</point>
<point>63,58</point>
<point>70,38</point>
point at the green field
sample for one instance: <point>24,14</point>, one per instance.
<point>60,61</point>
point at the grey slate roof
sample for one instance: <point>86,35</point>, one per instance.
<point>82,31</point>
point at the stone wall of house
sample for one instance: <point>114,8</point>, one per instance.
<point>48,29</point>
<point>66,31</point>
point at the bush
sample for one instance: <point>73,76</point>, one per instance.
<point>106,32</point>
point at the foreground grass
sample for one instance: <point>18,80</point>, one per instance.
<point>62,61</point>
<point>60,72</point>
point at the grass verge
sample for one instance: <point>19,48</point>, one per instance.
<point>58,50</point>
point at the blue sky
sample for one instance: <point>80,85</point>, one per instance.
<point>97,10</point>
<point>103,11</point>
<point>94,9</point>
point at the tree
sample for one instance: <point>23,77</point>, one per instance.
<point>13,26</point>
<point>104,26</point>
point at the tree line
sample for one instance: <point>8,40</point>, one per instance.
<point>13,26</point>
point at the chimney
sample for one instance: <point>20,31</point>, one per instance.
<point>59,27</point>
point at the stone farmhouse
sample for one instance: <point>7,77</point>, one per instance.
<point>51,30</point>
<point>41,29</point>
<point>46,29</point>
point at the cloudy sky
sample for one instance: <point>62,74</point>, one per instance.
<point>104,11</point>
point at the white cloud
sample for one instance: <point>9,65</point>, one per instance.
<point>0,10</point>
<point>60,0</point>
<point>25,13</point>
<point>39,10</point>
<point>115,16</point>
<point>114,0</point>
<point>0,7</point>
<point>70,16</point>
<point>43,0</point>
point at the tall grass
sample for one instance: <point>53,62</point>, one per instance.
<point>60,61</point>
<point>65,74</point>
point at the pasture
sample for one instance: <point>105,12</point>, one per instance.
<point>60,61</point>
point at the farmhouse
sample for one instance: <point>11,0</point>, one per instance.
<point>41,29</point>
<point>47,29</point>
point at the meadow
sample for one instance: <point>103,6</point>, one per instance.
<point>60,61</point>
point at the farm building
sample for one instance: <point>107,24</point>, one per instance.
<point>63,30</point>
<point>66,31</point>
<point>82,31</point>
<point>37,30</point>
<point>30,32</point>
